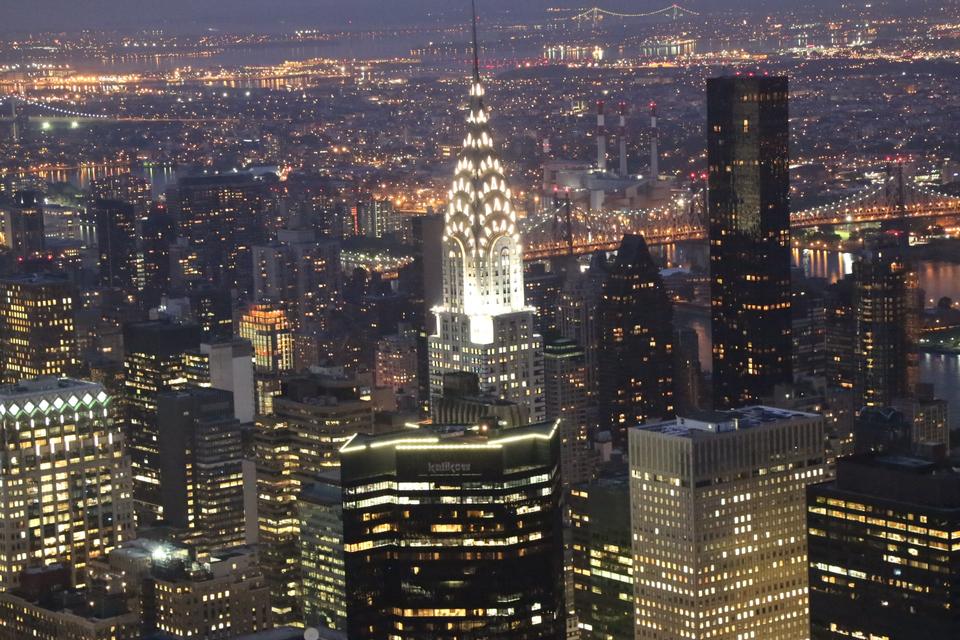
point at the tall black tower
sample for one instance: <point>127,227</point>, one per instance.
<point>635,321</point>
<point>749,207</point>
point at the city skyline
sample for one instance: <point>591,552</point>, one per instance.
<point>522,321</point>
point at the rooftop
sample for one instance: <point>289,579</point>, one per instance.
<point>696,423</point>
<point>440,436</point>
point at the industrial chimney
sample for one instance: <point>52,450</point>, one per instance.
<point>623,139</point>
<point>601,139</point>
<point>654,156</point>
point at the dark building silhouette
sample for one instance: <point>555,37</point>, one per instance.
<point>882,548</point>
<point>223,217</point>
<point>153,364</point>
<point>749,231</point>
<point>23,224</point>
<point>201,480</point>
<point>635,342</point>
<point>158,231</point>
<point>116,224</point>
<point>454,533</point>
<point>601,543</point>
<point>887,304</point>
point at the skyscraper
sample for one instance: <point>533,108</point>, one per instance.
<point>483,325</point>
<point>37,331</point>
<point>223,217</point>
<point>117,242</point>
<point>267,327</point>
<point>602,557</point>
<point>635,342</point>
<point>453,534</point>
<point>23,224</point>
<point>64,475</point>
<point>153,364</point>
<point>565,374</point>
<point>719,529</point>
<point>883,551</point>
<point>312,419</point>
<point>887,306</point>
<point>320,513</point>
<point>201,480</point>
<point>749,230</point>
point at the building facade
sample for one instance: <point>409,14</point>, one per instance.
<point>883,550</point>
<point>719,529</point>
<point>635,321</point>
<point>65,479</point>
<point>483,324</point>
<point>453,533</point>
<point>38,334</point>
<point>201,479</point>
<point>749,230</point>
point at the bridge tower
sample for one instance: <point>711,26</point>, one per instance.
<point>14,126</point>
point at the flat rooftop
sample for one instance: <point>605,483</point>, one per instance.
<point>700,422</point>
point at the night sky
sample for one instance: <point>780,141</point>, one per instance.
<point>191,16</point>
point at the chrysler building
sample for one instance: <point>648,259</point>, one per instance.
<point>483,325</point>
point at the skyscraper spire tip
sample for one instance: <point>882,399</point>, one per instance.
<point>476,47</point>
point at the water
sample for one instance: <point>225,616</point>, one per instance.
<point>937,279</point>
<point>160,177</point>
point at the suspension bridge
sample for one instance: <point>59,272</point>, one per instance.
<point>13,106</point>
<point>566,229</point>
<point>596,15</point>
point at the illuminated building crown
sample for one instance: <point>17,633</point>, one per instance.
<point>483,265</point>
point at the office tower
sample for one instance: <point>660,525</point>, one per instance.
<point>153,364</point>
<point>123,187</point>
<point>117,242</point>
<point>267,327</point>
<point>65,478</point>
<point>841,334</point>
<point>323,589</point>
<point>275,447</point>
<point>887,305</point>
<point>201,480</point>
<point>635,321</point>
<point>808,327</point>
<point>565,382</point>
<point>450,534</point>
<point>397,364</point>
<point>37,331</point>
<point>542,292</point>
<point>928,416</point>
<point>719,531</point>
<point>223,217</point>
<point>577,313</point>
<point>377,218</point>
<point>687,374</point>
<point>158,232</point>
<point>483,325</point>
<point>303,274</point>
<point>883,550</point>
<point>23,224</point>
<point>313,418</point>
<point>226,365</point>
<point>749,230</point>
<point>602,557</point>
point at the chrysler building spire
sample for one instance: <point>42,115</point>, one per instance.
<point>483,325</point>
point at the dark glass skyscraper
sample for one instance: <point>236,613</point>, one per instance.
<point>883,551</point>
<point>635,342</point>
<point>454,533</point>
<point>749,229</point>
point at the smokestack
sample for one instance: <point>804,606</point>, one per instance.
<point>601,138</point>
<point>654,156</point>
<point>623,139</point>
